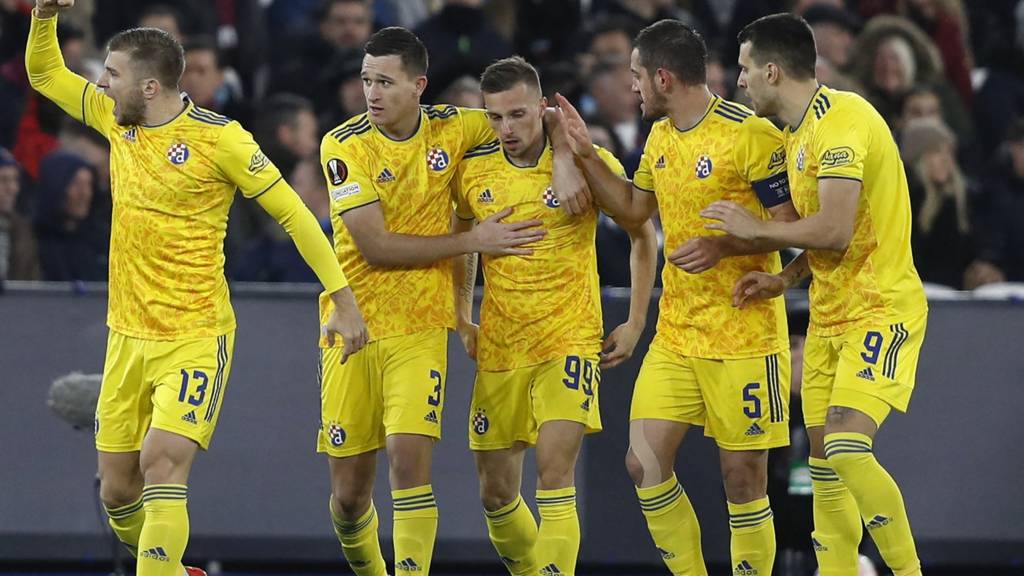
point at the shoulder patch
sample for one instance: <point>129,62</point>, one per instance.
<point>778,158</point>
<point>337,171</point>
<point>483,149</point>
<point>207,117</point>
<point>440,112</point>
<point>821,105</point>
<point>731,111</point>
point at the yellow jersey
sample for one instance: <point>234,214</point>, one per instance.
<point>547,304</point>
<point>172,186</point>
<point>729,155</point>
<point>410,179</point>
<point>874,280</point>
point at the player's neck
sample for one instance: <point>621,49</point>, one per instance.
<point>689,105</point>
<point>795,101</point>
<point>403,128</point>
<point>530,156</point>
<point>162,110</point>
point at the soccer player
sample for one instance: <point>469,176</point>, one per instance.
<point>710,364</point>
<point>174,171</point>
<point>388,173</point>
<point>538,347</point>
<point>868,308</point>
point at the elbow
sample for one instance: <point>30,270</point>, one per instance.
<point>839,239</point>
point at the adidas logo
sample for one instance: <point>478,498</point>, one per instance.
<point>665,554</point>
<point>586,404</point>
<point>551,570</point>
<point>508,561</point>
<point>157,554</point>
<point>431,417</point>
<point>866,374</point>
<point>385,176</point>
<point>660,163</point>
<point>485,197</point>
<point>744,569</point>
<point>408,565</point>
<point>190,417</point>
<point>358,563</point>
<point>754,430</point>
<point>818,546</point>
<point>878,521</point>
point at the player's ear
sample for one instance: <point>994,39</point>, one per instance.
<point>663,79</point>
<point>772,72</point>
<point>150,88</point>
<point>421,85</point>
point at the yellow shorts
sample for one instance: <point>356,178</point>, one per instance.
<point>742,404</point>
<point>869,369</point>
<point>510,406</point>
<point>392,386</point>
<point>174,385</point>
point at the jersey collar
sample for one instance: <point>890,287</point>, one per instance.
<point>544,151</point>
<point>792,129</point>
<point>188,106</point>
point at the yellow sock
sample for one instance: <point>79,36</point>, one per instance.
<point>359,542</point>
<point>127,523</point>
<point>837,525</point>
<point>164,534</point>
<point>753,537</point>
<point>673,526</point>
<point>513,532</point>
<point>558,539</point>
<point>878,498</point>
<point>415,529</point>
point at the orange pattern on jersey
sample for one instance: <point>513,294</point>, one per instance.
<point>411,181</point>
<point>874,280</point>
<point>546,304</point>
<point>718,159</point>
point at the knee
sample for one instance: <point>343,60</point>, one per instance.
<point>555,476</point>
<point>351,501</point>
<point>496,493</point>
<point>745,481</point>
<point>409,465</point>
<point>117,491</point>
<point>634,467</point>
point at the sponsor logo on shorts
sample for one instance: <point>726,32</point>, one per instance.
<point>754,430</point>
<point>431,417</point>
<point>335,434</point>
<point>190,417</point>
<point>866,374</point>
<point>480,422</point>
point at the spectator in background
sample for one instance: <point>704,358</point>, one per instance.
<point>720,81</point>
<point>892,56</point>
<point>1000,216</point>
<point>460,41</point>
<point>163,17</point>
<point>835,30</point>
<point>941,240</point>
<point>345,85</point>
<point>18,260</point>
<point>72,244</point>
<point>609,39</point>
<point>464,92</point>
<point>180,18</point>
<point>614,104</point>
<point>204,80</point>
<point>92,147</point>
<point>338,28</point>
<point>272,256</point>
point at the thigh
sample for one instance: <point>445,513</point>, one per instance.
<point>500,411</point>
<point>352,477</point>
<point>500,473</point>
<point>125,408</point>
<point>351,404</point>
<point>878,367</point>
<point>189,381</point>
<point>566,389</point>
<point>654,444</point>
<point>746,400</point>
<point>558,447</point>
<point>413,372</point>
<point>667,389</point>
<point>821,359</point>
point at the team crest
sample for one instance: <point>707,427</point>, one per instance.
<point>801,157</point>
<point>480,422</point>
<point>549,198</point>
<point>437,159</point>
<point>178,153</point>
<point>704,166</point>
<point>336,435</point>
<point>131,134</point>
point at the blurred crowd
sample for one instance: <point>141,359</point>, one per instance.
<point>947,75</point>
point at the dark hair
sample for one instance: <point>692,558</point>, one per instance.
<point>784,39</point>
<point>608,24</point>
<point>324,7</point>
<point>202,44</point>
<point>154,52</point>
<point>506,73</point>
<point>398,41</point>
<point>280,109</point>
<point>676,47</point>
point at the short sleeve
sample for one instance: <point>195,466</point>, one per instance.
<point>643,178</point>
<point>459,200</point>
<point>476,129</point>
<point>840,144</point>
<point>760,157</point>
<point>243,163</point>
<point>348,181</point>
<point>611,161</point>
